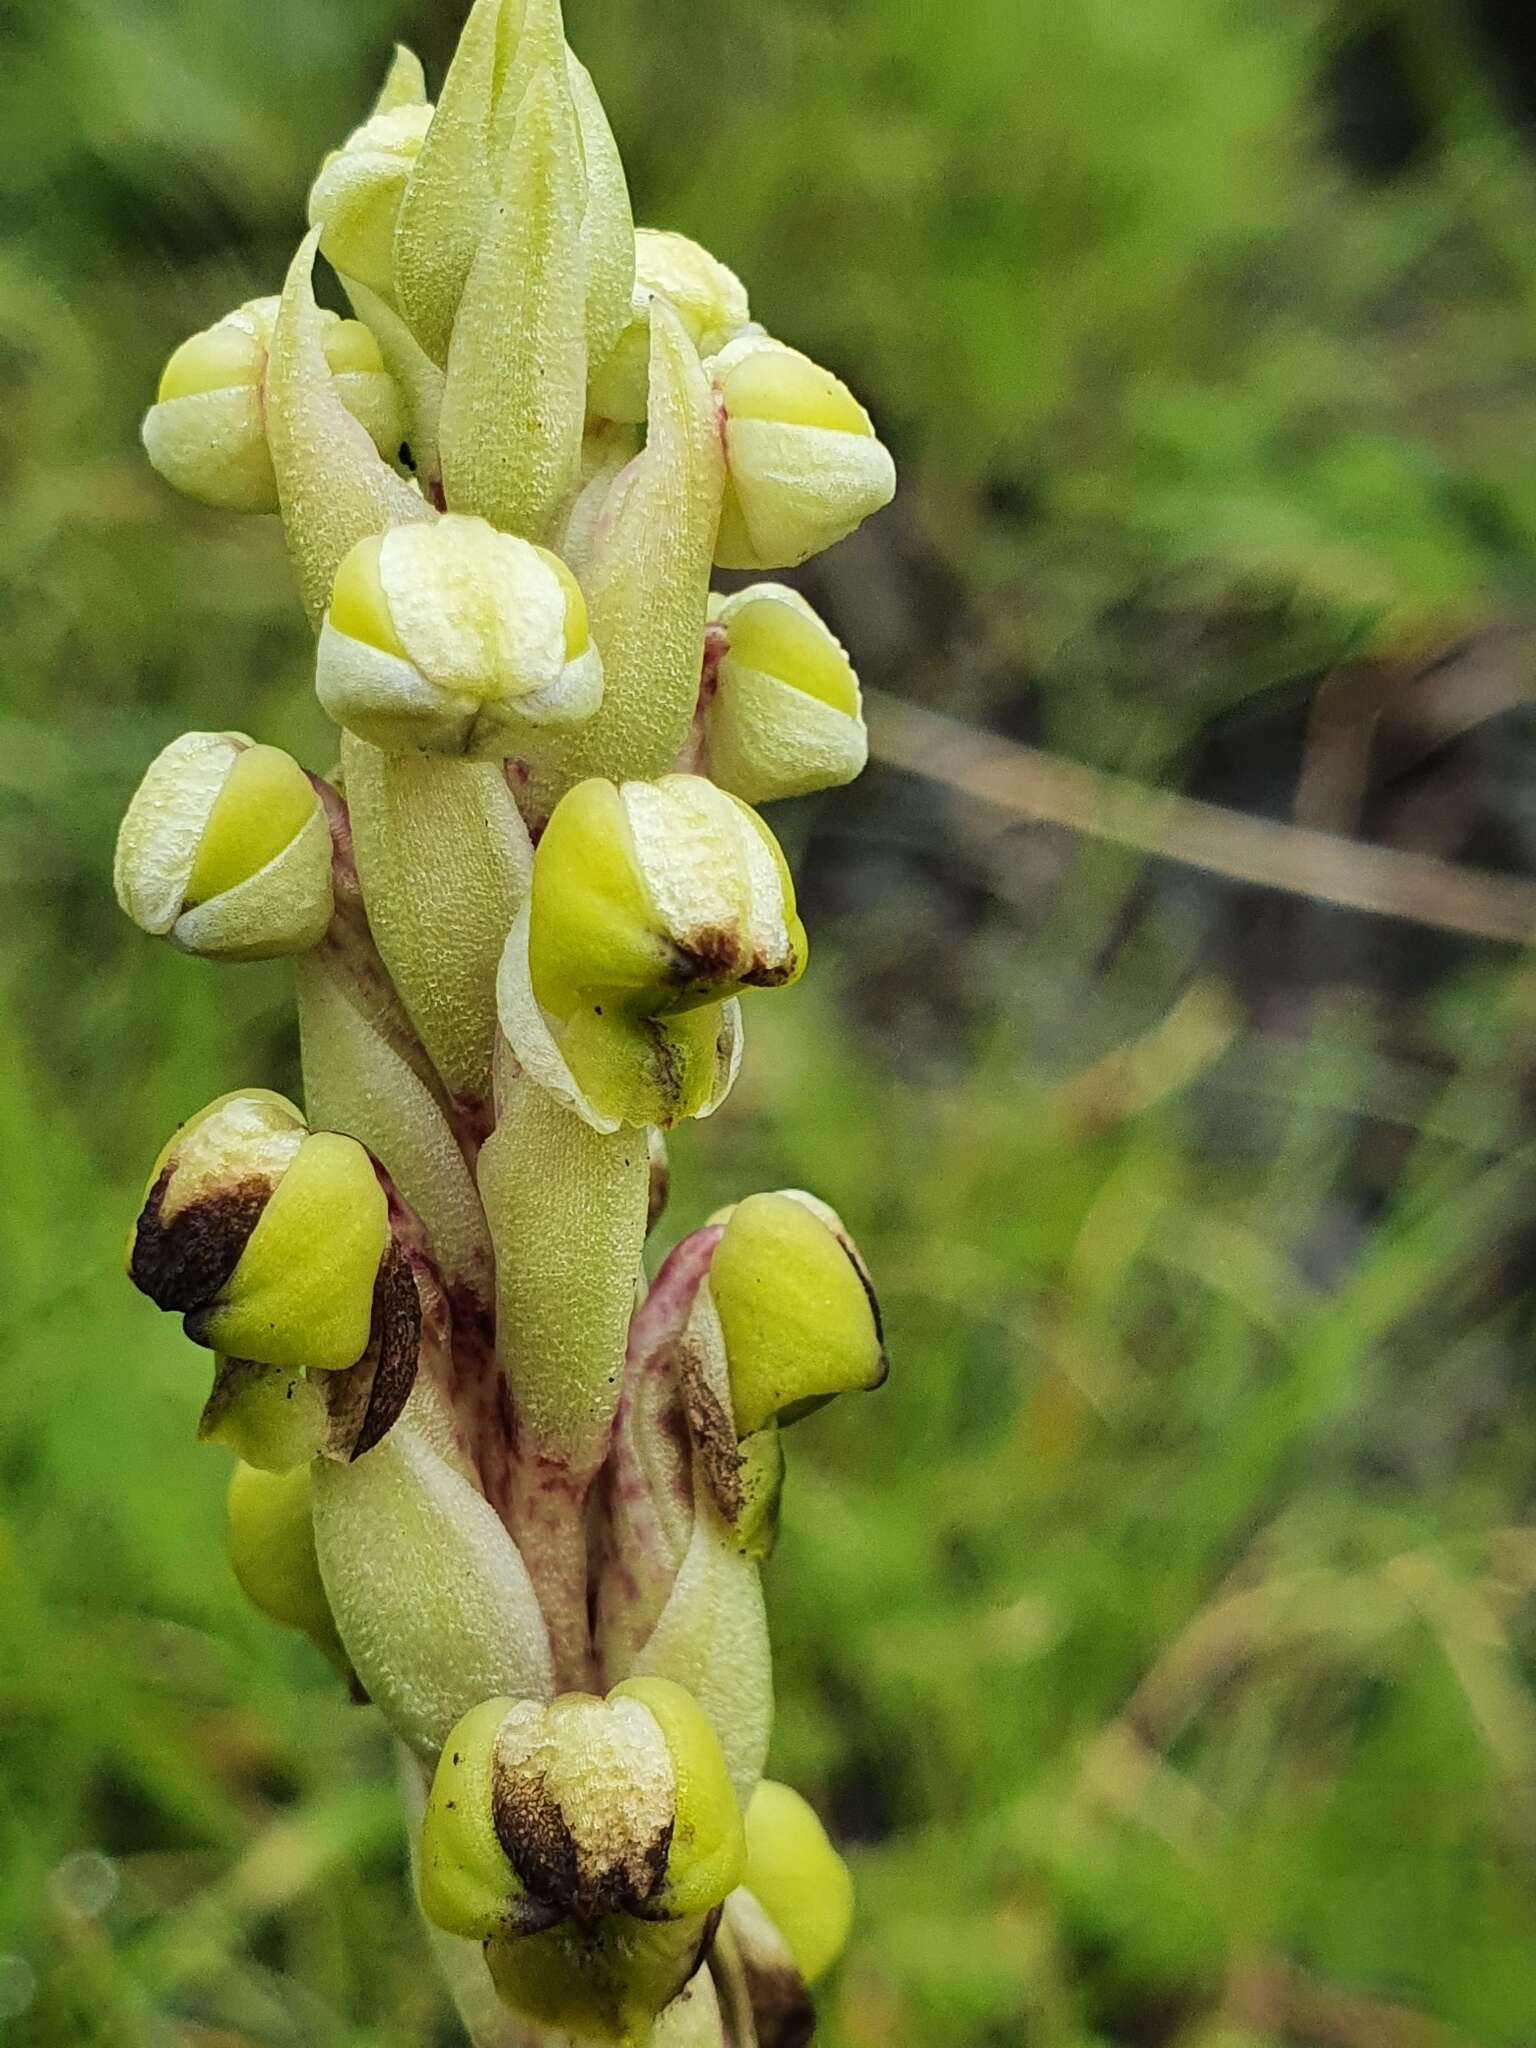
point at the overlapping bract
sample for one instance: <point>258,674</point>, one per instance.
<point>524,1515</point>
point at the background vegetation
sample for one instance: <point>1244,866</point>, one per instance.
<point>1159,1641</point>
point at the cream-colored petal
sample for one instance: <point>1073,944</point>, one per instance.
<point>476,610</point>
<point>386,701</point>
<point>527,1031</point>
<point>158,840</point>
<point>283,909</point>
<point>797,490</point>
<point>767,740</point>
<point>706,867</point>
<point>212,445</point>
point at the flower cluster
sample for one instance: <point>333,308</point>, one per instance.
<point>520,1506</point>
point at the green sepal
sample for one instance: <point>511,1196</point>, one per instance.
<point>451,191</point>
<point>648,583</point>
<point>515,397</point>
<point>428,1590</point>
<point>333,486</point>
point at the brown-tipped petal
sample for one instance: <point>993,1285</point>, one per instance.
<point>756,1967</point>
<point>182,1263</point>
<point>365,1402</point>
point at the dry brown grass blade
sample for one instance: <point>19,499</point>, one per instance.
<point>1271,1997</point>
<point>1025,782</point>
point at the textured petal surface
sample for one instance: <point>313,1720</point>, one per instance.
<point>449,195</point>
<point>515,400</point>
<point>567,1209</point>
<point>163,826</point>
<point>648,582</point>
<point>429,1593</point>
<point>444,860</point>
<point>282,909</point>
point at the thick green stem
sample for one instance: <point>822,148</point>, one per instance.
<point>567,1211</point>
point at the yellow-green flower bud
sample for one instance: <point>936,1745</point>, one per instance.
<point>797,1314</point>
<point>355,201</point>
<point>270,1239</point>
<point>207,434</point>
<point>652,906</point>
<point>784,715</point>
<point>272,1550</point>
<point>595,1807</point>
<point>225,850</point>
<point>798,1878</point>
<point>710,300</point>
<point>454,638</point>
<point>588,1843</point>
<point>803,466</point>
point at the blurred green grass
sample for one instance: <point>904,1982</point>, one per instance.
<point>1159,1640</point>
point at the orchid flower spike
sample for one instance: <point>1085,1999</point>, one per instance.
<point>519,1500</point>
